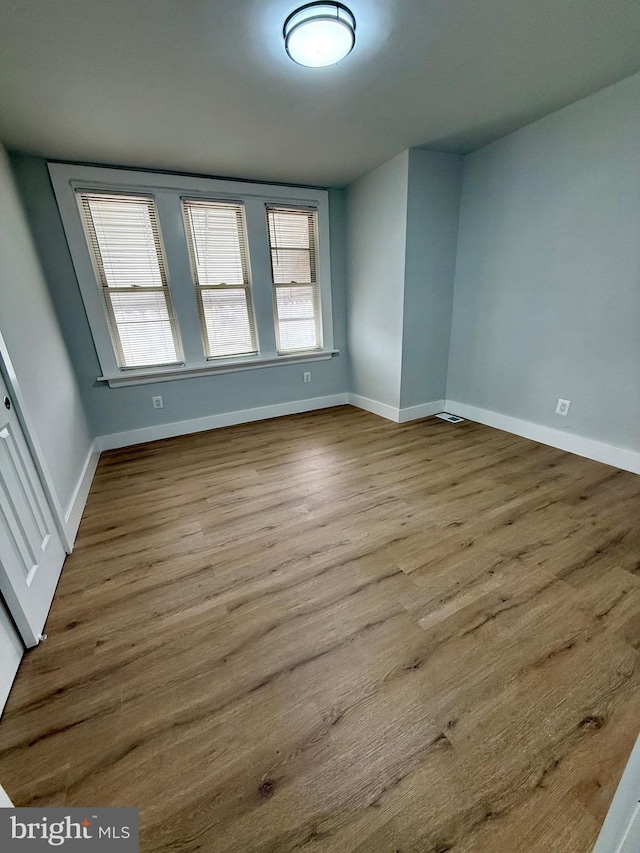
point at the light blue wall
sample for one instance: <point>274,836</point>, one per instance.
<point>117,410</point>
<point>36,348</point>
<point>547,291</point>
<point>547,284</point>
<point>433,206</point>
<point>401,235</point>
<point>376,241</point>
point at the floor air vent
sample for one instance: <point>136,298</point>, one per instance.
<point>453,419</point>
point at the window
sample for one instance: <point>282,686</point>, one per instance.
<point>217,241</point>
<point>182,275</point>
<point>123,237</point>
<point>292,245</point>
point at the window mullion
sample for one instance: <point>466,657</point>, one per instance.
<point>185,306</point>
<point>323,267</point>
<point>260,260</point>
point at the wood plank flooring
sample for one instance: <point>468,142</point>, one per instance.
<point>334,634</point>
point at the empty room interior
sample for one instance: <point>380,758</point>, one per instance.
<point>320,443</point>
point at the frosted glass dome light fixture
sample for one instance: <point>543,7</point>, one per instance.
<point>319,34</point>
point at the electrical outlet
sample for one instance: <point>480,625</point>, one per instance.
<point>157,402</point>
<point>563,407</point>
<point>307,376</point>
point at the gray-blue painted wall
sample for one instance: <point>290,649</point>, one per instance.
<point>546,302</point>
<point>376,241</point>
<point>433,206</point>
<point>547,291</point>
<point>402,233</point>
<point>37,349</point>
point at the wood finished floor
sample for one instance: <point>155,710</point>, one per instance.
<point>329,632</point>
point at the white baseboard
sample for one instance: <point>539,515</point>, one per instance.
<point>373,406</point>
<point>620,457</point>
<point>610,454</point>
<point>242,416</point>
<point>392,413</point>
<point>78,500</point>
<point>414,413</point>
<point>115,440</point>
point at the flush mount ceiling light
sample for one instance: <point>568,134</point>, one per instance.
<point>319,34</point>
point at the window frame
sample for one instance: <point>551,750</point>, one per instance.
<point>247,283</point>
<point>314,243</point>
<point>168,192</point>
<point>97,259</point>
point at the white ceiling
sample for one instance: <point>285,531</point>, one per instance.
<point>205,85</point>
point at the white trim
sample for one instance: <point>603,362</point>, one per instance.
<point>391,413</point>
<point>5,802</point>
<point>242,416</point>
<point>425,410</point>
<point>11,652</point>
<point>196,186</point>
<point>610,454</point>
<point>619,821</point>
<point>138,377</point>
<point>76,506</point>
<point>17,397</point>
<point>167,191</point>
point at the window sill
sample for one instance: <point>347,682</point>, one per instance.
<point>169,374</point>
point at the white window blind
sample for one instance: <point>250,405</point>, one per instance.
<point>124,240</point>
<point>293,246</point>
<point>217,240</point>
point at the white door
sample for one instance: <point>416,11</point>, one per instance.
<point>31,551</point>
<point>620,831</point>
<point>11,651</point>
